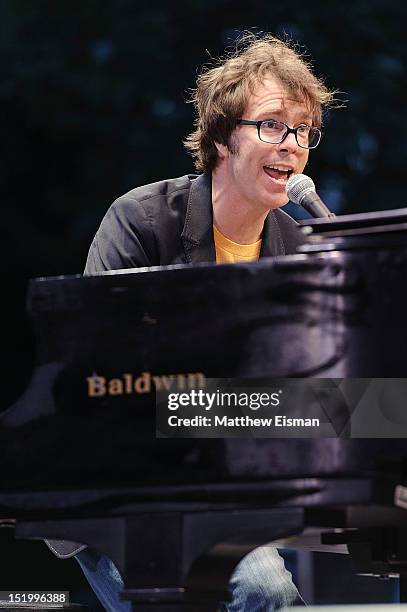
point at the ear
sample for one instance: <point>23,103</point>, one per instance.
<point>223,151</point>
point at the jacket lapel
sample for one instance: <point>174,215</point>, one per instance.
<point>197,235</point>
<point>272,243</point>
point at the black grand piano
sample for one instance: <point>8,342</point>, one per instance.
<point>80,457</point>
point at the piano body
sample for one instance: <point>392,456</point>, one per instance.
<point>79,453</point>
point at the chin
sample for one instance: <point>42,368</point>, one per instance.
<point>275,200</point>
<point>277,203</point>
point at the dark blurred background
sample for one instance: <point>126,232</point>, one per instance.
<point>93,94</point>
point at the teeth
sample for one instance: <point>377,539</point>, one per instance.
<point>279,168</point>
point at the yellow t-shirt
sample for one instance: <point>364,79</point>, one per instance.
<point>231,252</point>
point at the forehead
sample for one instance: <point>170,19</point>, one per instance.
<point>271,96</point>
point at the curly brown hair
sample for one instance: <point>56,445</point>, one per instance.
<point>222,91</point>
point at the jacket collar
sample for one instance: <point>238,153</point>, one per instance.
<point>197,234</point>
<point>272,243</point>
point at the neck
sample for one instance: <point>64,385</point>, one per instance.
<point>236,218</point>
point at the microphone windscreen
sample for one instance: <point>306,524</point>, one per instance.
<point>298,185</point>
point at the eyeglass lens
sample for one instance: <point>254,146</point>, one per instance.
<point>274,132</point>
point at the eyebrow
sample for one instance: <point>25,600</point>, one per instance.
<point>280,114</point>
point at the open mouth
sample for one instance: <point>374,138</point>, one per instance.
<point>278,174</point>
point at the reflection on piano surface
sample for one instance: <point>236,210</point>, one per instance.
<point>93,471</point>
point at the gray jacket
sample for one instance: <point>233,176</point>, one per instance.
<point>171,222</point>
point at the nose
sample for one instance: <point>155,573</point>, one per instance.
<point>289,144</point>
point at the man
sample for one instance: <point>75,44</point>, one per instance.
<point>258,115</point>
<point>244,167</point>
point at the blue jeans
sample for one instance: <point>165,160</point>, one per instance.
<point>260,582</point>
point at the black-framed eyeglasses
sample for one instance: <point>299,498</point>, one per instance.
<point>275,132</point>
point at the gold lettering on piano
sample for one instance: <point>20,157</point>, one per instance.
<point>115,386</point>
<point>163,382</point>
<point>96,386</point>
<point>142,384</point>
<point>99,386</point>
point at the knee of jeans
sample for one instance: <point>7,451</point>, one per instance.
<point>261,582</point>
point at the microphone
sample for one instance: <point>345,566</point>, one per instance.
<point>301,190</point>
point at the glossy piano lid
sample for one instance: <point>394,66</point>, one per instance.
<point>363,231</point>
<point>369,220</point>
